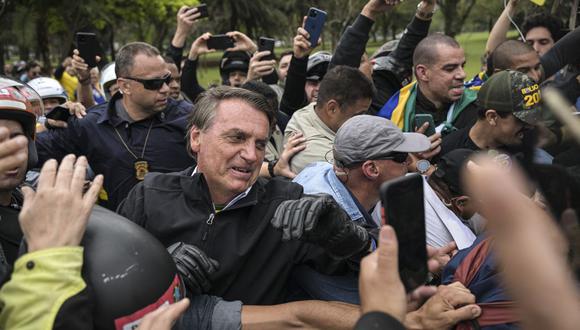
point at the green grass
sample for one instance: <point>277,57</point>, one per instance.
<point>473,43</point>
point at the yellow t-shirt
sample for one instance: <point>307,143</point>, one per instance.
<point>69,83</point>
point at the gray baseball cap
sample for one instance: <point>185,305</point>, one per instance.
<point>366,137</point>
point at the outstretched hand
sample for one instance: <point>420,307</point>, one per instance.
<point>56,214</point>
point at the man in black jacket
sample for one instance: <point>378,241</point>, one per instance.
<point>228,213</point>
<point>139,130</point>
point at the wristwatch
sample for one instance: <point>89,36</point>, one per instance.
<point>271,165</point>
<point>423,15</point>
<point>423,166</point>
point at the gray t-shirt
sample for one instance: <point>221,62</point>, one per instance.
<point>319,138</point>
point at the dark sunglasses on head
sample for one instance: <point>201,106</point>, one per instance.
<point>153,84</point>
<point>397,157</point>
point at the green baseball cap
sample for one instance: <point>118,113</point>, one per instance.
<point>512,91</point>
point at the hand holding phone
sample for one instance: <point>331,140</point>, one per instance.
<point>421,119</point>
<point>314,25</point>
<point>403,209</point>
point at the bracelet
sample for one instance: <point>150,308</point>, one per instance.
<point>271,165</point>
<point>423,15</point>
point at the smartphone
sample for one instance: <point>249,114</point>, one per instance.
<point>88,47</point>
<point>403,209</point>
<point>314,24</point>
<point>266,44</point>
<point>202,10</point>
<point>58,113</point>
<point>220,41</point>
<point>422,118</point>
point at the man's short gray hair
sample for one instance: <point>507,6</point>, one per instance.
<point>207,103</point>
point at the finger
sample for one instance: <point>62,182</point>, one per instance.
<point>423,128</point>
<point>47,175</point>
<point>296,150</point>
<point>433,265</point>
<point>56,123</point>
<point>150,321</point>
<point>388,258</point>
<point>458,286</point>
<point>261,54</point>
<point>196,15</point>
<point>303,33</point>
<point>304,21</point>
<point>459,297</point>
<point>293,142</point>
<point>191,11</point>
<point>4,134</point>
<point>182,10</point>
<point>12,146</point>
<point>468,312</point>
<point>91,195</point>
<point>170,315</point>
<point>65,172</point>
<point>434,137</point>
<point>447,249</point>
<point>79,175</point>
<point>436,143</point>
<point>265,71</point>
<point>28,194</point>
<point>431,251</point>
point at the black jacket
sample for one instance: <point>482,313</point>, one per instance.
<point>254,262</point>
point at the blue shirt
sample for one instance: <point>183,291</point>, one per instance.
<point>319,177</point>
<point>94,137</point>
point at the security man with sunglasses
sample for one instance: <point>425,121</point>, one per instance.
<point>362,162</point>
<point>140,130</point>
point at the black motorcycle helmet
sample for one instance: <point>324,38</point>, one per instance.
<point>129,271</point>
<point>233,61</point>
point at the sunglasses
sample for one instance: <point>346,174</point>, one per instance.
<point>153,84</point>
<point>397,157</point>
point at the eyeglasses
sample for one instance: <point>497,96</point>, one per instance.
<point>397,157</point>
<point>153,84</point>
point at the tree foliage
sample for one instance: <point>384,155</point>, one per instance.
<point>45,29</point>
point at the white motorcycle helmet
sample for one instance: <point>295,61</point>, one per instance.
<point>108,77</point>
<point>48,88</point>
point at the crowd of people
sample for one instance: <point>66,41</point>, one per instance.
<point>133,197</point>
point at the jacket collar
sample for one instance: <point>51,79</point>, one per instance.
<point>110,113</point>
<point>196,189</point>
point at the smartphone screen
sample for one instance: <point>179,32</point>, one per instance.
<point>423,118</point>
<point>314,24</point>
<point>220,41</point>
<point>88,47</point>
<point>403,209</point>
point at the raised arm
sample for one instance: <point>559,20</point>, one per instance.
<point>501,27</point>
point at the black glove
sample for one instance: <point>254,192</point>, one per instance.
<point>319,219</point>
<point>194,266</point>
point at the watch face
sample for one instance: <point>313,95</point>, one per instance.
<point>423,165</point>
